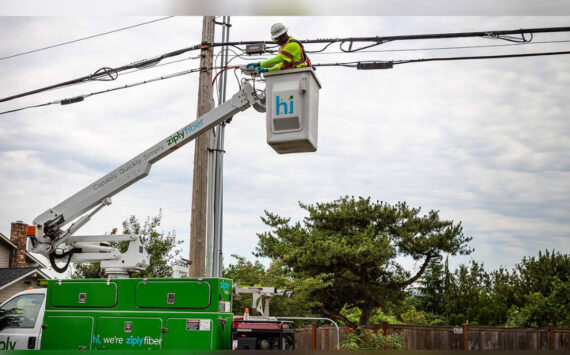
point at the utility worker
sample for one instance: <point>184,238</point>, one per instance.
<point>291,52</point>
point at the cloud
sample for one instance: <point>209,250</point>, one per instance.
<point>483,142</point>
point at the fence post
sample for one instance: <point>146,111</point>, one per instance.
<point>385,332</point>
<point>465,337</point>
<point>551,336</point>
<point>314,337</point>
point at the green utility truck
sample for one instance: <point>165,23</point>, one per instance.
<point>145,314</point>
<point>141,314</point>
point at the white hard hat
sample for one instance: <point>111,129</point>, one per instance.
<point>277,30</point>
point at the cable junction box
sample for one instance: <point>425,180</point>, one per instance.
<point>258,48</point>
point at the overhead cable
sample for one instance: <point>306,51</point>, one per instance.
<point>480,57</point>
<point>107,73</point>
<point>160,65</point>
<point>84,38</point>
<point>83,97</point>
<point>445,48</point>
<point>371,64</point>
<point>376,40</point>
<point>386,64</point>
<point>28,107</point>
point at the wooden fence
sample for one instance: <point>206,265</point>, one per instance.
<point>418,337</point>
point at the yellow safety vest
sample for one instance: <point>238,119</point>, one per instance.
<point>294,55</point>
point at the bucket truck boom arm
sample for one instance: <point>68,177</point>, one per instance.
<point>48,237</point>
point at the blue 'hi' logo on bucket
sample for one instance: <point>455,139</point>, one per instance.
<point>280,104</point>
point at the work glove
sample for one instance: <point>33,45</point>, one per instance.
<point>261,70</point>
<point>255,65</point>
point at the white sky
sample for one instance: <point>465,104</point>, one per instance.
<point>483,142</point>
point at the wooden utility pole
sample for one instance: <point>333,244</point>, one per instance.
<point>200,180</point>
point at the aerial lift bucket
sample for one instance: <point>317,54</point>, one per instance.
<point>292,110</point>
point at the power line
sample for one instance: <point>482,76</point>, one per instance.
<point>83,97</point>
<point>445,48</point>
<point>376,40</point>
<point>353,64</point>
<point>241,56</point>
<point>245,56</point>
<point>103,73</point>
<point>84,38</point>
<point>387,64</point>
<point>481,57</point>
<point>124,87</point>
<point>161,65</point>
<point>27,107</point>
<point>502,35</point>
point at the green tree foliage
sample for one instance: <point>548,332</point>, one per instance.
<point>410,312</point>
<point>542,288</point>
<point>533,295</point>
<point>502,296</point>
<point>369,339</point>
<point>378,316</point>
<point>246,273</point>
<point>413,316</point>
<point>540,310</point>
<point>431,286</point>
<point>344,252</point>
<point>538,274</point>
<point>162,248</point>
<point>468,294</point>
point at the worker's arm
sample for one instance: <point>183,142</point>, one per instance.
<point>272,64</point>
<point>286,54</point>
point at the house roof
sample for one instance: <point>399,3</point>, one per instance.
<point>10,275</point>
<point>6,240</point>
<point>29,255</point>
<point>34,259</point>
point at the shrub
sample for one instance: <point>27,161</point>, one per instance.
<point>362,338</point>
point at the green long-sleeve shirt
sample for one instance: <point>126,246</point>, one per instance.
<point>272,64</point>
<point>290,52</point>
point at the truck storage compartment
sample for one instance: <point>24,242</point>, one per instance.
<point>189,333</point>
<point>87,294</point>
<point>187,294</point>
<point>67,332</point>
<point>128,333</point>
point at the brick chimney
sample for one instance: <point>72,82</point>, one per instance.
<point>18,237</point>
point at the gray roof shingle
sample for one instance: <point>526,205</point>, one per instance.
<point>8,275</point>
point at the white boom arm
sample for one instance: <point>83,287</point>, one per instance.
<point>49,237</point>
<point>261,297</point>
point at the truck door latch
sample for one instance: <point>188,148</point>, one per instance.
<point>222,323</point>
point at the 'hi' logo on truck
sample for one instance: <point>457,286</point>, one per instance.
<point>282,107</point>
